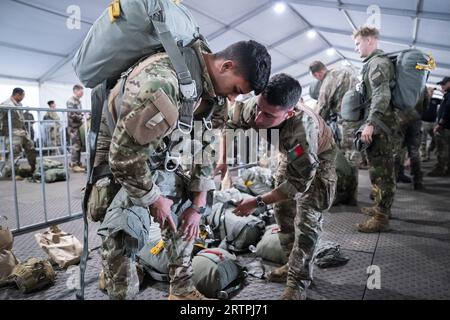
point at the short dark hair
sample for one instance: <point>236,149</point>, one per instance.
<point>252,61</point>
<point>283,90</point>
<point>50,102</point>
<point>17,91</point>
<point>316,66</point>
<point>77,87</point>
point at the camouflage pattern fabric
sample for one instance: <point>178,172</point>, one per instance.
<point>378,73</point>
<point>75,120</point>
<point>308,179</point>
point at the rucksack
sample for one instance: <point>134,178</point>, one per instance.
<point>269,248</point>
<point>234,233</point>
<point>412,68</point>
<point>118,39</point>
<point>53,171</point>
<point>215,271</point>
<point>33,274</point>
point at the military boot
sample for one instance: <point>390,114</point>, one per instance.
<point>193,295</point>
<point>403,178</point>
<point>419,186</point>
<point>378,223</point>
<point>76,168</point>
<point>279,274</point>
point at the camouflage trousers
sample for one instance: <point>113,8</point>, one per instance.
<point>427,131</point>
<point>410,139</point>
<point>75,139</point>
<point>20,141</point>
<point>381,171</point>
<point>124,233</point>
<point>443,150</point>
<point>347,147</point>
<point>300,221</point>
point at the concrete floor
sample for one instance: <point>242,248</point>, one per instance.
<point>413,257</point>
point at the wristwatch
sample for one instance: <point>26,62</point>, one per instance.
<point>260,202</point>
<point>198,209</point>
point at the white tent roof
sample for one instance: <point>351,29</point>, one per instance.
<point>36,45</point>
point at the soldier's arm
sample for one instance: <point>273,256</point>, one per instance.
<point>298,168</point>
<point>324,102</point>
<point>144,120</point>
<point>381,93</point>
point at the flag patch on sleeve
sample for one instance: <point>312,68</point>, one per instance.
<point>295,152</point>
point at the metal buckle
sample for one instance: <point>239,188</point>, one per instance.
<point>208,124</point>
<point>185,125</point>
<point>168,160</point>
<point>189,91</point>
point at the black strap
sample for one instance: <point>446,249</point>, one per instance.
<point>99,98</point>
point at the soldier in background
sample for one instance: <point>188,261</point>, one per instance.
<point>428,122</point>
<point>379,126</point>
<point>54,127</point>
<point>29,122</point>
<point>305,179</point>
<point>335,83</point>
<point>75,121</point>
<point>20,139</point>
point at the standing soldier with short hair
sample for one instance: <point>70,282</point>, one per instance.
<point>380,124</point>
<point>75,121</point>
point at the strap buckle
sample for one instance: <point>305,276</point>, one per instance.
<point>184,127</point>
<point>171,164</point>
<point>208,124</point>
<point>189,91</point>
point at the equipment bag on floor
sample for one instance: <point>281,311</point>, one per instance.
<point>53,171</point>
<point>6,236</point>
<point>269,248</point>
<point>63,248</point>
<point>214,270</point>
<point>235,233</point>
<point>33,274</point>
<point>7,263</point>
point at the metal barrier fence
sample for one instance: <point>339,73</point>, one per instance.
<point>45,142</point>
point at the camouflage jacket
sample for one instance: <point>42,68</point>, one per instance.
<point>303,140</point>
<point>74,119</point>
<point>152,89</point>
<point>335,84</point>
<point>18,124</point>
<point>378,75</point>
<point>51,115</point>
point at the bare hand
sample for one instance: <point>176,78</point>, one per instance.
<point>190,223</point>
<point>437,130</point>
<point>222,168</point>
<point>245,207</point>
<point>160,211</point>
<point>367,134</point>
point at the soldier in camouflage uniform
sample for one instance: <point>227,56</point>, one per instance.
<point>305,179</point>
<point>20,139</point>
<point>55,136</point>
<point>335,83</point>
<point>148,112</point>
<point>75,121</point>
<point>380,124</point>
<point>29,122</point>
<point>410,141</point>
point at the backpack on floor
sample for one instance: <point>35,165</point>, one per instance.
<point>234,233</point>
<point>214,270</point>
<point>33,274</point>
<point>269,248</point>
